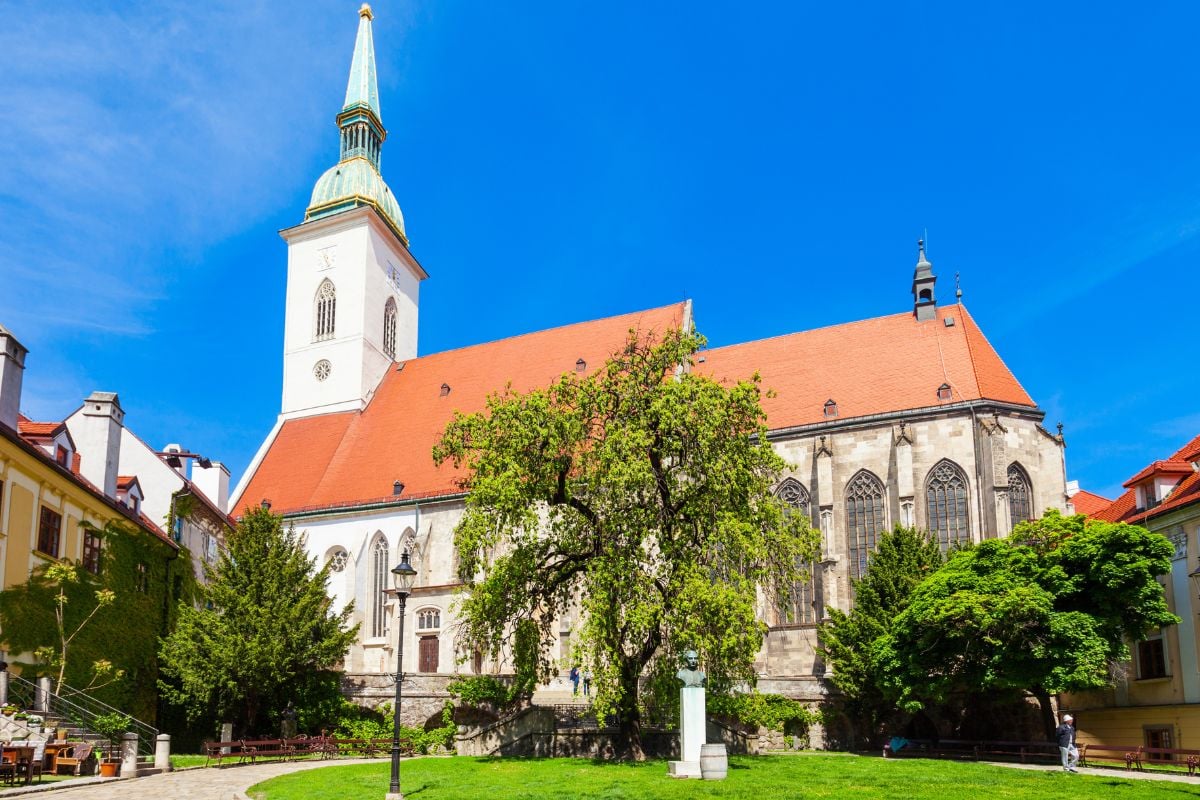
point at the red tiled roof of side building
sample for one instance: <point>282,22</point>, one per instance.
<point>125,480</point>
<point>1124,508</point>
<point>891,363</point>
<point>1170,466</point>
<point>27,427</point>
<point>1089,503</point>
<point>350,458</point>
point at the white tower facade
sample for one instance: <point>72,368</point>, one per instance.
<point>352,285</point>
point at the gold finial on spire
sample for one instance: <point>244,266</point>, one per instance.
<point>365,11</point>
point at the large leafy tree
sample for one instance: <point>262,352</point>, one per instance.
<point>904,558</point>
<point>641,494</point>
<point>1049,609</point>
<point>265,633</point>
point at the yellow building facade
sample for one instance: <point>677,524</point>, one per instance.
<point>43,505</point>
<point>1155,699</point>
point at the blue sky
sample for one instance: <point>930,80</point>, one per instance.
<point>562,161</point>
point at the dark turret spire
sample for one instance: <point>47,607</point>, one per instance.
<point>924,304</point>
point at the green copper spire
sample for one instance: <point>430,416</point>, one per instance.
<point>355,180</point>
<point>363,88</point>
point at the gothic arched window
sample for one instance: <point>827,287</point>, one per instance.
<point>864,519</point>
<point>380,569</point>
<point>946,505</point>
<point>326,308</point>
<point>1020,502</point>
<point>799,605</point>
<point>389,328</point>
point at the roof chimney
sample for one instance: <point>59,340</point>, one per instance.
<point>12,370</point>
<point>98,440</point>
<point>213,481</point>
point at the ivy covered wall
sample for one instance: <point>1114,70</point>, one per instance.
<point>149,579</point>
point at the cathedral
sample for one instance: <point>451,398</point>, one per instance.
<point>910,418</point>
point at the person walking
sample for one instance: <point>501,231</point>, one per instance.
<point>574,681</point>
<point>587,683</point>
<point>1065,734</point>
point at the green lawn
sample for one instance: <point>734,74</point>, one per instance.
<point>761,778</point>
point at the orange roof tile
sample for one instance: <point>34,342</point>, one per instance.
<point>879,365</point>
<point>124,480</point>
<point>1089,503</point>
<point>352,458</point>
<point>1170,466</point>
<point>27,427</point>
<point>1187,491</point>
<point>886,364</point>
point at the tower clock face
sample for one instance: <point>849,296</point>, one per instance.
<point>322,369</point>
<point>326,257</point>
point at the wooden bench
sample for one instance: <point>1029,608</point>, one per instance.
<point>1170,756</point>
<point>255,749</point>
<point>933,748</point>
<point>217,751</point>
<point>309,746</point>
<point>1025,751</point>
<point>1131,757</point>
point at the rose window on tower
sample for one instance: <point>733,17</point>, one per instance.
<point>322,369</point>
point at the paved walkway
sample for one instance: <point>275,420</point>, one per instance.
<point>1106,773</point>
<point>224,783</point>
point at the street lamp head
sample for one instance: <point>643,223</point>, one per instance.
<point>403,576</point>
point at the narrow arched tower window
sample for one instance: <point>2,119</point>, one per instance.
<point>379,581</point>
<point>389,328</point>
<point>325,311</point>
<point>1020,503</point>
<point>864,519</point>
<point>946,505</point>
<point>799,606</point>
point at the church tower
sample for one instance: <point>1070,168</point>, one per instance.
<point>352,284</point>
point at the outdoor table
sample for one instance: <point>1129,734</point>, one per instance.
<point>19,753</point>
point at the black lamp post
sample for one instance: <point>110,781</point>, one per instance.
<point>403,576</point>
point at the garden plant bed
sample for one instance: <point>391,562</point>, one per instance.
<point>751,778</point>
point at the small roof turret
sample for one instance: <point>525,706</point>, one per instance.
<point>924,304</point>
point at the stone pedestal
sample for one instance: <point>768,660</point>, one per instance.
<point>692,733</point>
<point>129,755</point>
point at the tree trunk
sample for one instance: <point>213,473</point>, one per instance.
<point>629,716</point>
<point>1048,726</point>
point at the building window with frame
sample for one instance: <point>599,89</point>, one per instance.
<point>864,519</point>
<point>142,578</point>
<point>1160,736</point>
<point>380,569</point>
<point>91,551</point>
<point>49,532</point>
<point>429,619</point>
<point>389,328</point>
<point>61,455</point>
<point>1020,502</point>
<point>946,505</point>
<point>326,311</point>
<point>1152,658</point>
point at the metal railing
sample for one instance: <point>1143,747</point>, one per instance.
<point>77,708</point>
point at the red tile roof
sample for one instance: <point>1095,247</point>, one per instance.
<point>1089,503</point>
<point>123,481</point>
<point>1170,466</point>
<point>879,365</point>
<point>27,427</point>
<point>352,458</point>
<point>1187,491</point>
